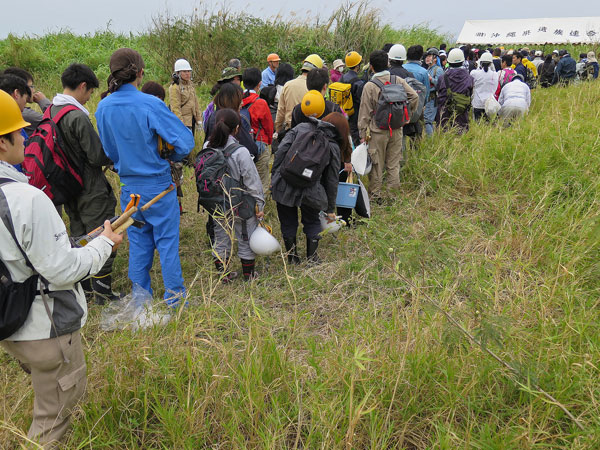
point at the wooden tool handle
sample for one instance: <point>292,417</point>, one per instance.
<point>124,217</point>
<point>158,197</point>
<point>128,222</point>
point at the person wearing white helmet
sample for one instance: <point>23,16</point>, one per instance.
<point>182,95</point>
<point>454,92</point>
<point>485,80</point>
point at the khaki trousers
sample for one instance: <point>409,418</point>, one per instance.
<point>57,385</point>
<point>262,167</point>
<point>386,154</point>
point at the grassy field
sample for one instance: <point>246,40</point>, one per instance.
<point>496,232</point>
<point>499,228</point>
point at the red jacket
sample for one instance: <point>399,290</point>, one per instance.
<point>261,118</point>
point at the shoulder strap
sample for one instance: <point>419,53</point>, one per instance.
<point>231,149</point>
<point>393,79</point>
<point>62,113</point>
<point>7,219</point>
<point>377,82</point>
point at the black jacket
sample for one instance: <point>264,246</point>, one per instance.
<point>322,196</point>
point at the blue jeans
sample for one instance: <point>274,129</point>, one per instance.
<point>430,112</point>
<point>161,232</point>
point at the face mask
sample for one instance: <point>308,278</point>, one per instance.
<point>340,69</point>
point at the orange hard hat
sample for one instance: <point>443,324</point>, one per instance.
<point>273,57</point>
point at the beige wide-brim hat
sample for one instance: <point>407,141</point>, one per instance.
<point>338,63</point>
<point>591,57</point>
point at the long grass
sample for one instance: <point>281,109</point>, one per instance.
<point>499,226</point>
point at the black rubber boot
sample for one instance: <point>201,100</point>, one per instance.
<point>103,292</point>
<point>248,269</point>
<point>311,251</point>
<point>228,276</point>
<point>292,250</point>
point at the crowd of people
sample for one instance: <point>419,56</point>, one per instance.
<point>310,123</point>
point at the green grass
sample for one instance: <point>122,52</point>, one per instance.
<point>500,227</point>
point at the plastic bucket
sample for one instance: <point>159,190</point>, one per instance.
<point>347,195</point>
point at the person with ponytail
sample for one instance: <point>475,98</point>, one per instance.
<point>241,220</point>
<point>130,124</point>
<point>485,80</point>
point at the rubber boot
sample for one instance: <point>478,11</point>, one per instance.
<point>248,269</point>
<point>103,292</point>
<point>292,250</point>
<point>227,276</point>
<point>311,251</point>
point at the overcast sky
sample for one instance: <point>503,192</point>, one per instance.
<point>37,17</point>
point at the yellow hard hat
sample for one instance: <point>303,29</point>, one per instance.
<point>313,61</point>
<point>313,104</point>
<point>11,118</point>
<point>353,59</point>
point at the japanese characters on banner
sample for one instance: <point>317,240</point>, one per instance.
<point>571,30</point>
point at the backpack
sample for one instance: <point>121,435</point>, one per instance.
<point>213,180</point>
<point>421,91</point>
<point>47,165</point>
<point>247,118</point>
<point>456,104</point>
<point>306,159</point>
<point>341,94</point>
<point>588,72</point>
<point>15,298</point>
<point>531,79</point>
<point>392,110</point>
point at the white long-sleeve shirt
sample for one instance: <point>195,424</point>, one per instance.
<point>485,84</point>
<point>515,94</point>
<point>43,237</point>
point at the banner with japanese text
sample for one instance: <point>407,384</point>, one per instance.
<point>571,30</point>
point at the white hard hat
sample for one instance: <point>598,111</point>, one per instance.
<point>263,243</point>
<point>455,56</point>
<point>360,159</point>
<point>181,64</point>
<point>330,227</point>
<point>486,57</point>
<point>397,53</point>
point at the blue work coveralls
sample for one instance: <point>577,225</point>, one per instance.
<point>129,123</point>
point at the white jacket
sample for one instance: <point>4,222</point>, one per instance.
<point>515,94</point>
<point>43,237</point>
<point>485,84</point>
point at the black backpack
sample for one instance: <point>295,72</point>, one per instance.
<point>306,159</point>
<point>213,180</point>
<point>15,298</point>
<point>392,111</point>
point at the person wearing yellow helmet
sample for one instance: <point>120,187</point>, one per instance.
<point>316,82</point>
<point>37,332</point>
<point>292,94</point>
<point>353,60</point>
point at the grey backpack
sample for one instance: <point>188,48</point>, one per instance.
<point>421,91</point>
<point>392,110</point>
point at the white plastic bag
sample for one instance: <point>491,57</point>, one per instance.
<point>133,311</point>
<point>492,107</point>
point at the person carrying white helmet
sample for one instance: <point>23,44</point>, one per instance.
<point>182,95</point>
<point>485,81</point>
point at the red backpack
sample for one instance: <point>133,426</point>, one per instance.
<point>47,165</point>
